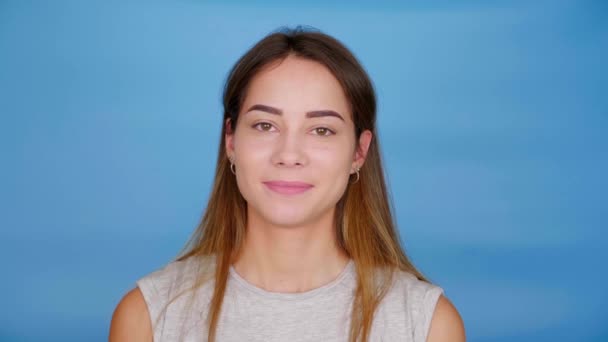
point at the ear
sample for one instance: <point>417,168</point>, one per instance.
<point>365,140</point>
<point>229,138</point>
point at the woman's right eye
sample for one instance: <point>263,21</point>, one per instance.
<point>263,126</point>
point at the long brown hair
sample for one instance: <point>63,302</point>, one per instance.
<point>364,224</point>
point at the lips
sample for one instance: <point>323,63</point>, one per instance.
<point>287,187</point>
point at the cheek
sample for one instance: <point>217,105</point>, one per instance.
<point>250,150</point>
<point>252,157</point>
<point>328,160</point>
<point>332,168</point>
<point>335,155</point>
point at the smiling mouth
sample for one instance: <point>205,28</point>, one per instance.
<point>288,188</point>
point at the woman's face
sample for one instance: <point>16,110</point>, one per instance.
<point>294,146</point>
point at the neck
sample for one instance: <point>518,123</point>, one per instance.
<point>290,259</point>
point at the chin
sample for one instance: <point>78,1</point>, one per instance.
<point>286,212</point>
<point>288,218</point>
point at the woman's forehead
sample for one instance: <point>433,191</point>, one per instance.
<point>297,85</point>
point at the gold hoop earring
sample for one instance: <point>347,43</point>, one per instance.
<point>232,168</point>
<point>357,171</point>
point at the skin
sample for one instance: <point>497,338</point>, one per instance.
<point>290,244</point>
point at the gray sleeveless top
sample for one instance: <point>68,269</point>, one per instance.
<point>250,313</point>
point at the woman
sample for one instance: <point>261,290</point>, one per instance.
<point>298,242</point>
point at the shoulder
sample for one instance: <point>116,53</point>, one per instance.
<point>426,310</point>
<point>446,324</point>
<point>143,309</point>
<point>131,320</point>
<point>172,278</point>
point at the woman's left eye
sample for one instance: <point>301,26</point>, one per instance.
<point>263,126</point>
<point>323,131</point>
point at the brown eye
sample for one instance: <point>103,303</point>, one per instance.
<point>263,126</point>
<point>323,131</point>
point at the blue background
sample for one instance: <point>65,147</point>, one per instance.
<point>492,117</point>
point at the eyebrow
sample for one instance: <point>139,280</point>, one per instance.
<point>311,114</point>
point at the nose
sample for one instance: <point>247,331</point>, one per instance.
<point>289,151</point>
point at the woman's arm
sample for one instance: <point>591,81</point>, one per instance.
<point>446,324</point>
<point>131,321</point>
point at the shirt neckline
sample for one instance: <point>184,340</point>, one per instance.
<point>346,272</point>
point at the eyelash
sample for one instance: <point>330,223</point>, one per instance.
<point>331,132</point>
